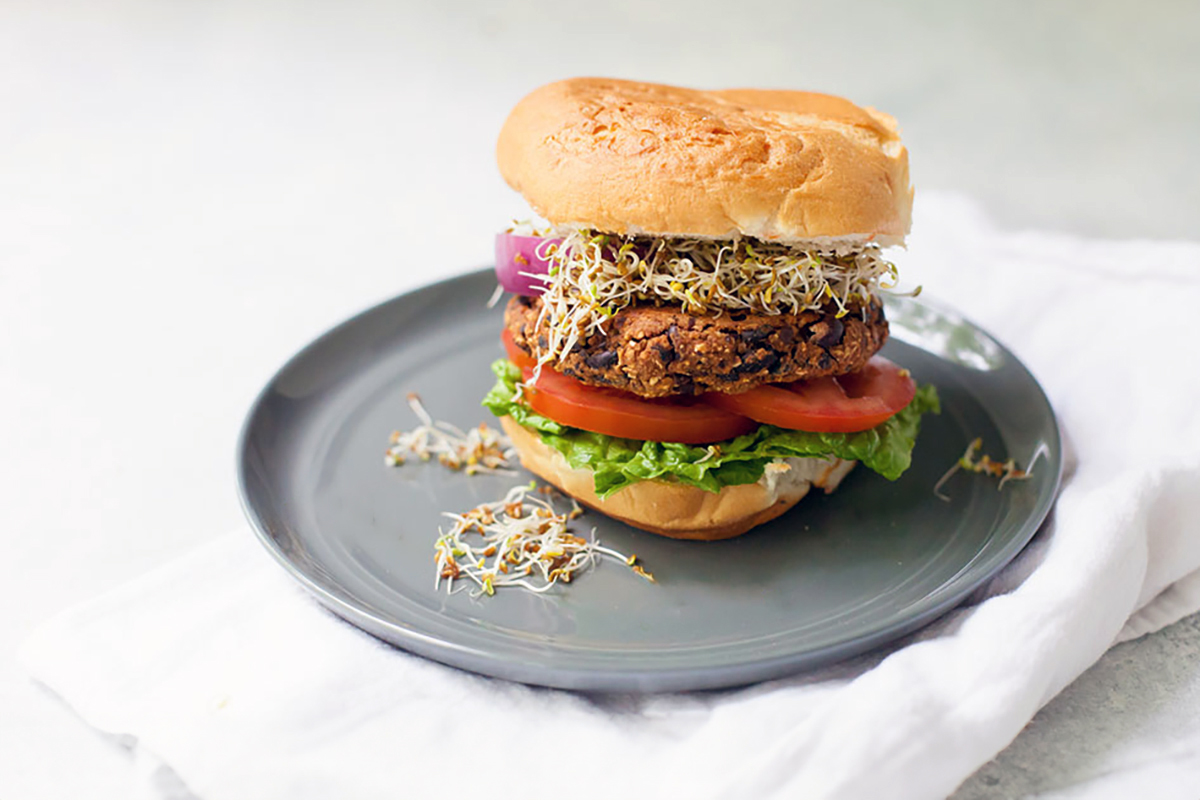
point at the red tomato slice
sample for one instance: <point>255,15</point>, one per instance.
<point>515,354</point>
<point>617,413</point>
<point>845,404</point>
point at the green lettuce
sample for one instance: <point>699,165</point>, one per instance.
<point>617,463</point>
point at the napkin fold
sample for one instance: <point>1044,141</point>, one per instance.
<point>223,669</point>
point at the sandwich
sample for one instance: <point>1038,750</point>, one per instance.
<point>692,335</point>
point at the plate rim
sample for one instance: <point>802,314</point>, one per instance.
<point>641,679</point>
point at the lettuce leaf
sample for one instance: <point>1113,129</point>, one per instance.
<point>617,463</point>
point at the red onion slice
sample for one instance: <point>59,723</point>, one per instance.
<point>520,254</point>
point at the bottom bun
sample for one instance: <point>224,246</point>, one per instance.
<point>676,509</point>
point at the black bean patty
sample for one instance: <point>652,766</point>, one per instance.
<point>658,351</point>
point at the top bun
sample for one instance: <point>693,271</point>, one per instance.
<point>628,157</point>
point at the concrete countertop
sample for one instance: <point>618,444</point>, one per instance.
<point>189,192</point>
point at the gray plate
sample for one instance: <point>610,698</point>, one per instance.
<point>838,575</point>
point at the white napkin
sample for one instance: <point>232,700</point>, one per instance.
<point>223,669</point>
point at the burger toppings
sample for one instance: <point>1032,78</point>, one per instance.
<point>633,350</point>
<point>481,449</point>
<point>640,348</point>
<point>522,540</point>
<point>617,460</point>
<point>590,276</point>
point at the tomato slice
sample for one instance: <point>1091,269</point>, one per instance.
<point>845,404</point>
<point>515,354</point>
<point>617,413</point>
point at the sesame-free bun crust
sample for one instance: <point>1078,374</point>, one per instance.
<point>629,157</point>
<point>672,509</point>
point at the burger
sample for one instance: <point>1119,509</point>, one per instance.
<point>691,341</point>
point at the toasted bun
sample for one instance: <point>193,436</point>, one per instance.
<point>677,510</point>
<point>629,157</point>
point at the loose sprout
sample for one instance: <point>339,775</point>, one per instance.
<point>497,293</point>
<point>1006,471</point>
<point>592,276</point>
<point>522,540</point>
<point>481,449</point>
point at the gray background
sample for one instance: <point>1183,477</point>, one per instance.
<point>190,191</point>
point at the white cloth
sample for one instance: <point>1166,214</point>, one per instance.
<point>223,669</point>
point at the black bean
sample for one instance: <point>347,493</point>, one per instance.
<point>827,333</point>
<point>763,361</point>
<point>602,359</point>
<point>755,335</point>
